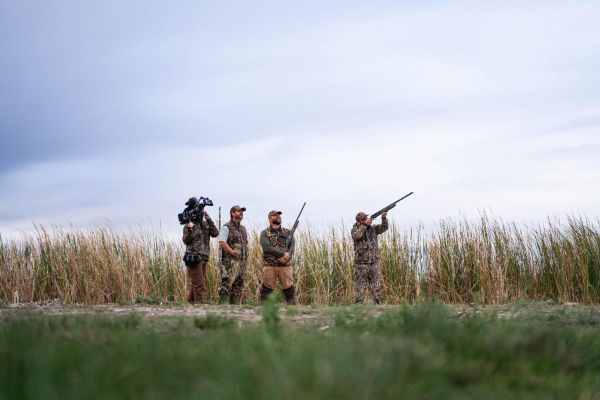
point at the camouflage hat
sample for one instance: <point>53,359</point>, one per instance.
<point>274,212</point>
<point>237,208</point>
<point>361,216</point>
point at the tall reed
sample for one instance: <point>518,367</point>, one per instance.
<point>488,261</point>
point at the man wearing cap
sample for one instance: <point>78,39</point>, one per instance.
<point>367,256</point>
<point>233,241</point>
<point>277,259</point>
<point>196,237</point>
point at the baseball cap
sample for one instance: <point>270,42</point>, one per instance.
<point>274,212</point>
<point>237,208</point>
<point>361,216</point>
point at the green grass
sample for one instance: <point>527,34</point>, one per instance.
<point>425,351</point>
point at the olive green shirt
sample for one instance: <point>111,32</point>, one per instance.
<point>271,250</point>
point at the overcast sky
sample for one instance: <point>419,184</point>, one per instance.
<point>119,111</point>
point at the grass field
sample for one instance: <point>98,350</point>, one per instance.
<point>431,351</point>
<point>488,261</point>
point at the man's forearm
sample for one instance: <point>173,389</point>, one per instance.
<point>383,226</point>
<point>187,236</point>
<point>213,231</point>
<point>227,248</point>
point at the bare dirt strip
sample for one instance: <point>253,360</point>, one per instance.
<point>302,315</point>
<point>319,316</point>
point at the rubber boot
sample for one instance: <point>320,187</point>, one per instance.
<point>290,295</point>
<point>264,293</point>
<point>236,289</point>
<point>223,295</point>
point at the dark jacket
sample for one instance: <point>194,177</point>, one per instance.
<point>197,239</point>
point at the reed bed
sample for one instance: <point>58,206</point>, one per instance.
<point>488,261</point>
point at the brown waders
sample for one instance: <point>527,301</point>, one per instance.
<point>282,274</point>
<point>197,277</point>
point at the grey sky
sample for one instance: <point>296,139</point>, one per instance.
<point>113,111</point>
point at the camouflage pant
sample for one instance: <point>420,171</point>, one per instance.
<point>230,291</point>
<point>368,282</point>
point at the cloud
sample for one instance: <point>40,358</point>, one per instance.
<point>83,81</point>
<point>450,170</point>
<point>471,106</point>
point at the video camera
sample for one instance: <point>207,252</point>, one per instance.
<point>194,210</point>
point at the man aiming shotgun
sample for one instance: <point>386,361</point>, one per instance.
<point>367,255</point>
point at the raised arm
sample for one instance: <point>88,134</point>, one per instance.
<point>379,229</point>
<point>213,231</point>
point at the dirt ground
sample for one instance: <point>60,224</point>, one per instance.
<point>243,314</point>
<point>318,316</point>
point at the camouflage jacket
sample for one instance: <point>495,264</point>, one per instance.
<point>238,241</point>
<point>197,239</point>
<point>366,247</point>
<point>272,242</point>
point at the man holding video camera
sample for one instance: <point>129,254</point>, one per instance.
<point>197,231</point>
